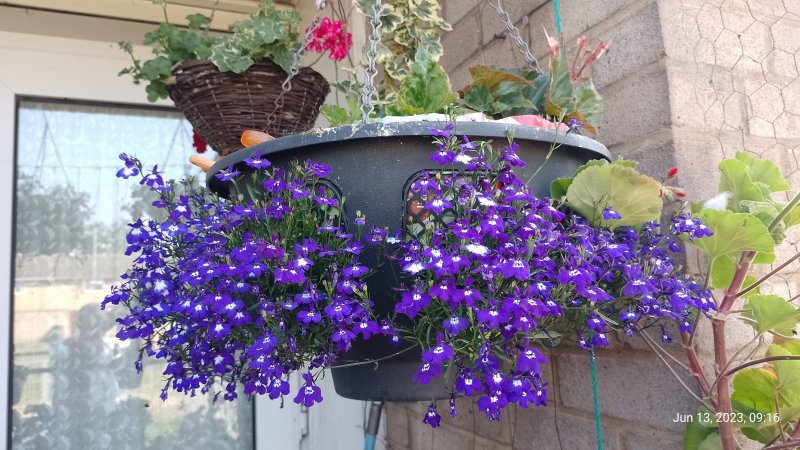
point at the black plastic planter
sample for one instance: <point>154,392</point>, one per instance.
<point>372,166</point>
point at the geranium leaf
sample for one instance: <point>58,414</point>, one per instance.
<point>734,178</point>
<point>753,388</point>
<point>788,375</point>
<point>634,196</point>
<point>733,233</point>
<point>697,431</point>
<point>764,171</point>
<point>197,21</point>
<point>559,187</point>
<point>773,312</point>
<point>711,442</point>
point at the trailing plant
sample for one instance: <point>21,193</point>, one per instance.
<point>495,276</point>
<point>246,291</point>
<point>241,292</point>
<point>269,34</point>
<point>565,94</point>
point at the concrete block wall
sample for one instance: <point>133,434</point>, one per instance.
<point>686,83</point>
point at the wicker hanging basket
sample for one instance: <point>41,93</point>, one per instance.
<point>221,105</point>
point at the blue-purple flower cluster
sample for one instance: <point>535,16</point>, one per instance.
<point>244,292</point>
<point>510,275</point>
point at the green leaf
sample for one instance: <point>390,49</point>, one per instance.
<point>788,375</point>
<point>426,89</point>
<point>753,388</point>
<point>764,171</point>
<point>733,233</point>
<point>478,98</point>
<point>156,91</point>
<point>283,57</point>
<point>588,105</point>
<point>157,68</point>
<point>558,101</point>
<point>697,431</point>
<point>634,196</point>
<point>267,29</point>
<point>336,115</point>
<point>773,312</point>
<point>426,9</point>
<point>197,21</point>
<point>736,180</point>
<point>722,273</point>
<point>792,218</point>
<point>492,77</point>
<point>559,187</point>
<point>711,442</point>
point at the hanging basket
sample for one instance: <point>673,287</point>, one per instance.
<point>374,167</point>
<point>221,105</point>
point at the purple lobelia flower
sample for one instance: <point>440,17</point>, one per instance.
<point>309,393</point>
<point>432,416</point>
<point>257,162</point>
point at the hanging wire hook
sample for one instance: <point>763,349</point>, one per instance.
<point>513,33</point>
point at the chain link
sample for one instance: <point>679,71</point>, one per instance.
<point>371,71</point>
<point>286,86</point>
<point>513,33</point>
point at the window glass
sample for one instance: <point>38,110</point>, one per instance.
<point>74,383</point>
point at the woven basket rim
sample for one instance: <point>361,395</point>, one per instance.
<point>207,63</point>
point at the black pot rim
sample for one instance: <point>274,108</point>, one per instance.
<point>409,128</point>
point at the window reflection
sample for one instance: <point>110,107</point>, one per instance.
<point>74,383</point>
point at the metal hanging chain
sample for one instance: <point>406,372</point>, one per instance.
<point>371,71</point>
<point>513,33</point>
<point>286,86</point>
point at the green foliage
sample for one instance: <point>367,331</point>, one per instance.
<point>600,185</point>
<point>734,233</point>
<point>500,92</point>
<point>408,25</point>
<point>772,312</point>
<point>269,34</point>
<point>561,95</point>
<point>426,89</point>
<point>698,430</point>
<point>766,396</point>
<point>351,111</point>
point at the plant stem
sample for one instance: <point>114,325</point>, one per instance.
<point>694,363</point>
<point>723,394</point>
<point>733,358</point>
<point>655,347</point>
<point>675,374</point>
<point>768,276</point>
<point>786,209</point>
<point>756,362</point>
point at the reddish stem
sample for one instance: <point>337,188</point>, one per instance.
<point>723,394</point>
<point>694,364</point>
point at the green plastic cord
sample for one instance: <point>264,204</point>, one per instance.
<point>558,17</point>
<point>599,431</point>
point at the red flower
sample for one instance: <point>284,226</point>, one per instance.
<point>331,36</point>
<point>198,143</point>
<point>672,172</point>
